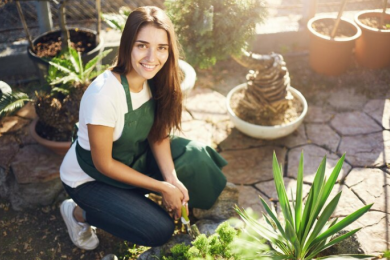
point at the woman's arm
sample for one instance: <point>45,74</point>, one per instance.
<point>162,154</point>
<point>101,140</point>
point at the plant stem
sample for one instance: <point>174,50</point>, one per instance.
<point>382,22</point>
<point>99,18</point>
<point>337,22</point>
<point>64,31</point>
<point>23,19</point>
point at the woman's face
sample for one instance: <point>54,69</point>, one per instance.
<point>150,51</point>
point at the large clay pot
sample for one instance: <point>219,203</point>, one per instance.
<point>266,132</point>
<point>43,64</point>
<point>59,148</point>
<point>373,48</point>
<point>331,56</point>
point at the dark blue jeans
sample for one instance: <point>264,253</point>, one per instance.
<point>125,213</point>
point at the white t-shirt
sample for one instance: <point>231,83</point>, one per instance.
<point>103,103</point>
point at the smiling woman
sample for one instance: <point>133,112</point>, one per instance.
<point>123,148</point>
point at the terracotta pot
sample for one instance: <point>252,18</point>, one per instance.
<point>59,148</point>
<point>266,132</point>
<point>373,48</point>
<point>331,56</point>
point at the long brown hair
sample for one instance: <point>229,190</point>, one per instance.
<point>167,91</point>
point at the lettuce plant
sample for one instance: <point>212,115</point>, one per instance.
<point>307,228</point>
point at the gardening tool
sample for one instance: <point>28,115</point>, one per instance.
<point>193,230</point>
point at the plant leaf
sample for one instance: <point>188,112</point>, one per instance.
<point>10,102</point>
<point>298,205</point>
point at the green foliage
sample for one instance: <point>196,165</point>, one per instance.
<point>307,229</point>
<point>212,30</point>
<point>220,245</point>
<point>11,102</point>
<point>117,21</point>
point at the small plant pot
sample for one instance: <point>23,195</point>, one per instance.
<point>331,56</point>
<point>373,48</point>
<point>59,148</point>
<point>42,64</point>
<point>266,132</point>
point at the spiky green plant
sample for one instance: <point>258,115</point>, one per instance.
<point>307,228</point>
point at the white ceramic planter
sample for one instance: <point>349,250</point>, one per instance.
<point>266,132</point>
<point>189,77</point>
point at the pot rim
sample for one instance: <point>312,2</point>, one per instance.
<point>360,24</point>
<point>345,39</point>
<point>41,140</point>
<point>294,91</point>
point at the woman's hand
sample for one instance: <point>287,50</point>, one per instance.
<point>178,184</point>
<point>172,199</point>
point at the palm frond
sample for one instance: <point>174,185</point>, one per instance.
<point>11,102</point>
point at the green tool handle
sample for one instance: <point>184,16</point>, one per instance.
<point>184,213</point>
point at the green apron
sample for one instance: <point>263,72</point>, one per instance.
<point>197,166</point>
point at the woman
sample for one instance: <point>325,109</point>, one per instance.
<point>124,151</point>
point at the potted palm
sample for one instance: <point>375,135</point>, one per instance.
<point>57,107</point>
<point>331,43</point>
<point>372,49</point>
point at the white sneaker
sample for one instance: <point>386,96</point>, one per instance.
<point>81,234</point>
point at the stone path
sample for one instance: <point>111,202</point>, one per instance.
<point>358,127</point>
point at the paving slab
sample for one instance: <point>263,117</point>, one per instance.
<point>323,135</point>
<point>8,149</point>
<point>379,109</point>
<point>348,202</point>
<point>206,104</point>
<point>372,186</point>
<point>35,164</point>
<point>296,138</point>
<point>222,131</point>
<point>24,137</point>
<point>12,124</point>
<point>354,123</point>
<point>346,100</point>
<point>313,156</point>
<point>185,116</point>
<point>249,198</point>
<point>268,188</point>
<point>367,150</point>
<point>251,165</point>
<point>317,114</point>
<point>375,232</point>
<point>197,130</point>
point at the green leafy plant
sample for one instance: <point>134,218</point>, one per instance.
<point>58,106</point>
<point>212,30</point>
<point>220,245</point>
<point>117,21</point>
<point>307,228</point>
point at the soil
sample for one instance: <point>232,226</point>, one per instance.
<point>50,45</point>
<point>52,134</point>
<point>374,22</point>
<point>325,27</point>
<point>41,233</point>
<point>291,113</point>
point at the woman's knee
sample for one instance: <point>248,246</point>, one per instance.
<point>161,233</point>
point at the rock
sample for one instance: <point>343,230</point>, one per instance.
<point>313,156</point>
<point>350,245</point>
<point>110,257</point>
<point>379,109</point>
<point>317,114</point>
<point>372,185</point>
<point>207,105</point>
<point>323,135</point>
<point>12,124</point>
<point>156,252</point>
<point>207,226</point>
<point>3,186</point>
<point>28,111</point>
<point>251,165</point>
<point>367,150</point>
<point>223,208</point>
<point>191,130</point>
<point>8,149</point>
<point>34,178</point>
<point>354,123</point>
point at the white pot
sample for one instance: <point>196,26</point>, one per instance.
<point>266,132</point>
<point>189,77</point>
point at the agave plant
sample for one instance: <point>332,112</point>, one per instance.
<point>307,228</point>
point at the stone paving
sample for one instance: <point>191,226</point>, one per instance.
<point>356,126</point>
